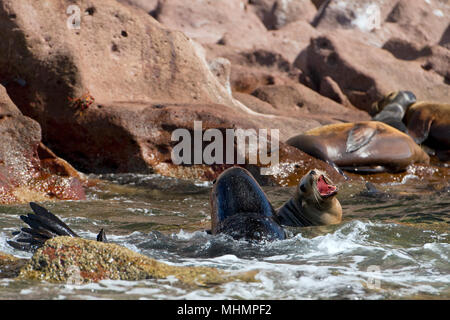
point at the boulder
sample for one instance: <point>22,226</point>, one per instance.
<point>78,261</point>
<point>369,75</point>
<point>29,171</point>
<point>277,13</point>
<point>438,61</point>
<point>292,39</point>
<point>94,89</point>
<point>330,89</point>
<point>149,6</point>
<point>301,101</point>
<point>229,22</point>
<point>365,15</point>
<point>10,266</point>
<point>376,21</point>
<point>445,38</point>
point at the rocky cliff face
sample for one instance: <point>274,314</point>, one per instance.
<point>109,81</point>
<point>28,169</point>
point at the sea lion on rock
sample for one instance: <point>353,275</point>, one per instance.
<point>240,208</point>
<point>313,204</point>
<point>365,147</point>
<point>426,122</point>
<point>43,225</point>
<point>429,123</point>
<point>392,108</point>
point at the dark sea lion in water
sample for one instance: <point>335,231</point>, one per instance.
<point>365,147</point>
<point>43,225</point>
<point>313,204</point>
<point>392,108</point>
<point>429,123</point>
<point>240,208</point>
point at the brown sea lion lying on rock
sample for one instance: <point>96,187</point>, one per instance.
<point>365,147</point>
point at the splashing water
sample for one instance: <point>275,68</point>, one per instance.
<point>390,247</point>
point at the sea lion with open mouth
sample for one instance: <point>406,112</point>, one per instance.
<point>240,208</point>
<point>313,204</point>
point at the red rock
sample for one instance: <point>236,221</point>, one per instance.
<point>421,21</point>
<point>438,61</point>
<point>445,39</point>
<point>372,73</point>
<point>277,13</point>
<point>211,21</point>
<point>292,39</point>
<point>71,76</point>
<point>298,100</point>
<point>330,89</point>
<point>365,15</point>
<point>28,170</point>
<point>149,6</point>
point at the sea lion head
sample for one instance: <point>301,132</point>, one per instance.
<point>315,199</point>
<point>403,98</point>
<point>316,187</point>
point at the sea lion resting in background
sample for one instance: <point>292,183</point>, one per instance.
<point>392,108</point>
<point>426,122</point>
<point>240,208</point>
<point>429,123</point>
<point>368,146</point>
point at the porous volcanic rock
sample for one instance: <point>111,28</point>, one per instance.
<point>76,260</point>
<point>29,171</point>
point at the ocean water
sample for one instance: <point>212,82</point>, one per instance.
<point>391,245</point>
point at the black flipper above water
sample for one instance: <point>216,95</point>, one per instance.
<point>101,237</point>
<point>240,208</point>
<point>43,225</point>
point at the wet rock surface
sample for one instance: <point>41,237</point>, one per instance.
<point>10,266</point>
<point>76,261</point>
<point>28,169</point>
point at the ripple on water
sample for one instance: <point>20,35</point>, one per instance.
<point>393,247</point>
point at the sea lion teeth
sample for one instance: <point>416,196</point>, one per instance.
<point>324,188</point>
<point>314,203</point>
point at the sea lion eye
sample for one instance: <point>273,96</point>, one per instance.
<point>302,187</point>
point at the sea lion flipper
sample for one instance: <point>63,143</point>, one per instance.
<point>43,225</point>
<point>359,136</point>
<point>101,237</point>
<point>51,222</point>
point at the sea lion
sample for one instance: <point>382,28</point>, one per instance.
<point>365,147</point>
<point>240,208</point>
<point>313,204</point>
<point>392,108</point>
<point>429,123</point>
<point>43,225</point>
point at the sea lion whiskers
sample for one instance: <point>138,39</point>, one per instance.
<point>313,204</point>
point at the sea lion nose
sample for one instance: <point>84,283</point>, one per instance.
<point>410,96</point>
<point>312,172</point>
